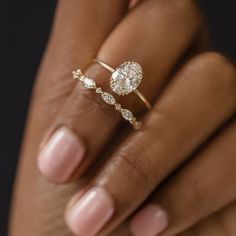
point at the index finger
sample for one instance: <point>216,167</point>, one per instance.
<point>79,29</point>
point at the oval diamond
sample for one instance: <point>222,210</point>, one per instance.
<point>108,98</point>
<point>127,115</point>
<point>89,83</point>
<point>126,78</point>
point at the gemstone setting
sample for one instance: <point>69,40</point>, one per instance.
<point>126,78</point>
<point>127,115</point>
<point>118,107</point>
<point>77,74</point>
<point>108,98</point>
<point>89,83</point>
<point>98,90</point>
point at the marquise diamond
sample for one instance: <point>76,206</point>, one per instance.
<point>89,83</point>
<point>127,115</point>
<point>108,98</point>
<point>126,78</point>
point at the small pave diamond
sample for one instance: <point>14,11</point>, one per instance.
<point>127,115</point>
<point>118,107</point>
<point>137,125</point>
<point>99,90</point>
<point>126,78</point>
<point>108,98</point>
<point>89,83</point>
<point>77,74</point>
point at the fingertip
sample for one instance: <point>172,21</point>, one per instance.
<point>149,221</point>
<point>61,155</point>
<point>90,213</point>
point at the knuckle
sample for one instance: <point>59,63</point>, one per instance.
<point>218,69</point>
<point>133,170</point>
<point>53,98</point>
<point>196,193</point>
<point>219,61</point>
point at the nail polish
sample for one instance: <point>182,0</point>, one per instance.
<point>149,221</point>
<point>90,213</point>
<point>61,155</point>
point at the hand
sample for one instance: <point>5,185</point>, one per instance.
<point>171,133</point>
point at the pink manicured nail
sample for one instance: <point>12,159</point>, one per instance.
<point>60,156</point>
<point>150,221</point>
<point>90,213</point>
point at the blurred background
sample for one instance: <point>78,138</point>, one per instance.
<point>25,27</point>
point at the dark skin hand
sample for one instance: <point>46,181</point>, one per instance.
<point>175,175</point>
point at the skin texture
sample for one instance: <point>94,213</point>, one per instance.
<point>193,96</point>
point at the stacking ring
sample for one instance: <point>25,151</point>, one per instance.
<point>125,79</point>
<point>90,83</point>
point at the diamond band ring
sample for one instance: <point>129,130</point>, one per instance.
<point>125,79</point>
<point>108,98</point>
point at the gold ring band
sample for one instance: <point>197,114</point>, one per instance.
<point>90,83</point>
<point>112,70</point>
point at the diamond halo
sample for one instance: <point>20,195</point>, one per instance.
<point>126,78</point>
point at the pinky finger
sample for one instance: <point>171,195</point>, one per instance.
<point>199,189</point>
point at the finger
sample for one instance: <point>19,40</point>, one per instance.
<point>158,55</point>
<point>201,188</point>
<point>199,99</point>
<point>72,42</point>
<point>216,224</point>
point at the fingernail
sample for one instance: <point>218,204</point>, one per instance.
<point>150,221</point>
<point>61,155</point>
<point>90,213</point>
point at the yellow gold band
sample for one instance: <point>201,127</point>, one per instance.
<point>90,83</point>
<point>136,91</point>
